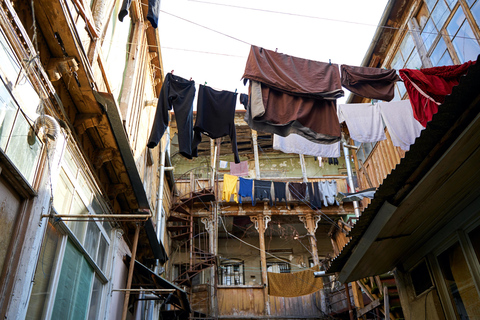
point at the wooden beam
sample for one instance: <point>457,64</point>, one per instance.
<point>376,303</point>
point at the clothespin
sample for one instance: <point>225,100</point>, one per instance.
<point>329,62</point>
<point>205,83</point>
<point>235,90</point>
<point>276,49</point>
<point>190,78</point>
<point>172,71</point>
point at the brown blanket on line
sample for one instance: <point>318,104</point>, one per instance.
<point>298,96</point>
<point>373,83</point>
<point>294,284</point>
<point>293,75</point>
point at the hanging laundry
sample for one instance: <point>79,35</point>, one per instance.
<point>279,189</point>
<point>298,190</point>
<point>328,191</point>
<point>153,12</point>
<point>244,100</point>
<point>428,87</point>
<point>357,196</point>
<point>294,284</point>
<point>295,143</point>
<point>245,190</point>
<point>124,9</point>
<point>298,96</point>
<point>373,83</point>
<point>363,120</point>
<point>262,191</point>
<point>314,195</point>
<point>402,126</point>
<point>223,164</point>
<point>178,93</point>
<point>240,169</point>
<point>215,117</point>
<point>229,188</point>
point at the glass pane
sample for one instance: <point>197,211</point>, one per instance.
<point>431,4</point>
<point>115,48</point>
<point>397,62</point>
<point>84,187</point>
<point>8,110</point>
<point>23,155</point>
<point>440,14</point>
<point>407,46</point>
<point>70,163</point>
<point>475,239</point>
<point>455,23</point>
<point>401,88</point>
<point>91,241</point>
<point>452,3</point>
<point>446,60</point>
<point>476,12</point>
<point>74,286</point>
<point>459,281</point>
<point>102,253</point>
<point>429,34</point>
<point>63,194</point>
<point>78,227</point>
<point>414,62</point>
<point>465,44</point>
<point>438,52</point>
<point>9,66</point>
<point>43,273</point>
<point>95,301</point>
<point>27,97</point>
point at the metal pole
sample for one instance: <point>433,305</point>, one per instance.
<point>130,271</point>
<point>255,154</point>
<point>346,153</point>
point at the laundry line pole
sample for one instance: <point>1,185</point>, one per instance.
<point>346,153</point>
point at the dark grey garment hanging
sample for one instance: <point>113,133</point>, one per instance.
<point>262,190</point>
<point>124,9</point>
<point>280,192</point>
<point>314,194</point>
<point>153,12</point>
<point>178,93</point>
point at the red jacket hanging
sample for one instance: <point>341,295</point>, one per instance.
<point>428,87</point>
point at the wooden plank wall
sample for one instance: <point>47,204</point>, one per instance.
<point>308,305</point>
<point>381,161</point>
<point>240,301</point>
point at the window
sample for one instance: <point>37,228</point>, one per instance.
<point>232,273</point>
<point>462,37</point>
<point>278,267</point>
<point>459,282</point>
<point>421,279</point>
<point>443,24</point>
<point>406,57</point>
<point>18,105</point>
<point>72,268</point>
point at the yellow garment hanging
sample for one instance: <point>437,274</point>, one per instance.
<point>230,187</point>
<point>294,284</point>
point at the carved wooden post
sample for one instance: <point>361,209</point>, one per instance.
<point>310,222</point>
<point>261,223</point>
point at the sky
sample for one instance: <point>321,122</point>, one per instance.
<point>209,41</point>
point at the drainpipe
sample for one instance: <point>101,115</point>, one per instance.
<point>255,153</point>
<point>350,174</point>
<point>159,212</point>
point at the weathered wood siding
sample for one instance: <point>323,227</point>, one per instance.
<point>240,301</point>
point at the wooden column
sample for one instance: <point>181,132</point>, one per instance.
<point>357,296</point>
<point>310,222</point>
<point>130,271</point>
<point>261,223</point>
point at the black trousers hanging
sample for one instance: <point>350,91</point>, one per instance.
<point>177,93</point>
